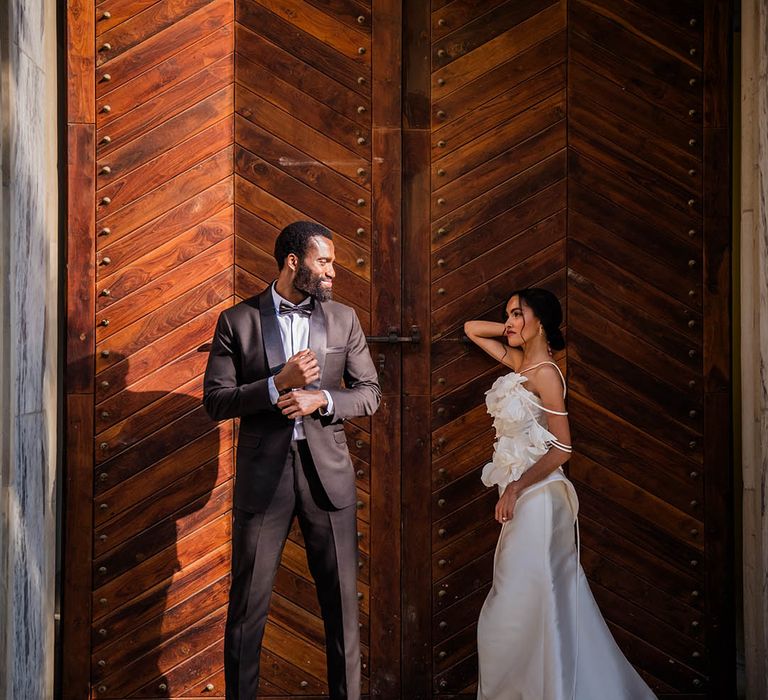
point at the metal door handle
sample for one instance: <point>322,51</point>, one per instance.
<point>394,338</point>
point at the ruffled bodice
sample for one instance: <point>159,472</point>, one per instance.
<point>521,430</point>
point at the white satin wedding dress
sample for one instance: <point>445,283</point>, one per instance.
<point>540,635</point>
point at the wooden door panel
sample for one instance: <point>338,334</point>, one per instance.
<point>572,145</point>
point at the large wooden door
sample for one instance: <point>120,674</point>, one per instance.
<point>581,146</point>
<point>196,130</point>
<point>458,149</point>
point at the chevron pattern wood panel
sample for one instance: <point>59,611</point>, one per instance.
<point>635,320</point>
<point>164,253</point>
<point>580,145</point>
<point>498,220</point>
<point>303,104</point>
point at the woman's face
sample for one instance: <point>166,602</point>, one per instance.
<point>521,325</point>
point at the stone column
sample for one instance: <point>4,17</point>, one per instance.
<point>754,339</point>
<point>29,328</point>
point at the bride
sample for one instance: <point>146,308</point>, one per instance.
<point>540,635</point>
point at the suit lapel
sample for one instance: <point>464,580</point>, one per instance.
<point>318,336</point>
<point>270,332</point>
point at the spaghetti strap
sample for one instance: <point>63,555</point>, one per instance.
<point>549,362</point>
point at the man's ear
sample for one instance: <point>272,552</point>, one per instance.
<point>292,261</point>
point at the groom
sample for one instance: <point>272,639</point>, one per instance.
<point>292,365</point>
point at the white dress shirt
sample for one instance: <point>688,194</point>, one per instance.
<point>294,332</point>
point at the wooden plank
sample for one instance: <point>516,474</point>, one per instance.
<point>671,165</point>
<point>187,154</point>
<point>77,554</point>
<point>345,69</point>
<point>652,507</point>
<point>666,327</point>
<point>150,113</point>
<point>624,164</point>
<point>664,637</point>
<point>207,180</point>
<point>483,29</point>
<point>80,52</point>
<point>717,358</point>
<point>685,407</point>
<point>152,83</point>
<point>456,649</point>
<point>633,49</point>
<point>656,603</point>
<point>165,288</point>
<point>80,300</point>
<point>124,157</point>
<point>597,386</point>
<point>497,169</point>
<point>674,253</point>
<point>385,639</point>
<point>311,172</point>
<point>498,260</point>
<point>493,89</point>
<point>314,205</point>
<point>167,318</point>
<point>167,600</point>
<point>488,116</point>
<point>154,537</point>
<point>632,197</point>
<point>143,25</point>
<point>164,443</point>
<point>168,502</point>
<point>500,199</point>
<point>495,292</point>
<point>350,134</point>
<point>667,99</point>
<point>159,47</point>
<point>196,333</point>
<point>464,550</point>
<point>131,678</point>
<point>132,274</point>
<point>520,218</point>
<point>462,521</point>
<point>466,609</point>
<point>146,638</point>
<point>505,47</point>
<point>467,458</point>
<point>669,556</point>
<point>125,401</point>
<point>290,129</point>
<point>665,37</point>
<point>354,12</point>
<point>163,565</point>
<point>303,76</point>
<point>323,26</point>
<point>445,20</point>
<point>209,455</point>
<point>673,132</point>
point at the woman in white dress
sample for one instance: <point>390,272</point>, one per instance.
<point>540,635</point>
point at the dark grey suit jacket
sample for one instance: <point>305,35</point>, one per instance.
<point>246,350</point>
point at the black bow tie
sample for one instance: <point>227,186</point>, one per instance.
<point>287,309</point>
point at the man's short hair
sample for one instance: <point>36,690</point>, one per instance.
<point>295,237</point>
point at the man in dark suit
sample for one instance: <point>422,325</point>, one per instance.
<point>277,362</point>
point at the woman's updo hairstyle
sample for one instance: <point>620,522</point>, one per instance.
<point>546,307</point>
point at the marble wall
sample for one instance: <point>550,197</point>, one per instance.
<point>754,339</point>
<point>28,346</point>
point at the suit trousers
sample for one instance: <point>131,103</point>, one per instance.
<point>330,537</point>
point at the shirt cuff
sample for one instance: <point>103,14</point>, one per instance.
<point>328,410</point>
<point>274,394</point>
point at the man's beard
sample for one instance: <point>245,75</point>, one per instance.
<point>308,282</point>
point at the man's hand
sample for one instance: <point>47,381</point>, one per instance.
<point>301,402</point>
<point>300,370</point>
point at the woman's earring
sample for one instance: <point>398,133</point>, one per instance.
<point>541,330</point>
